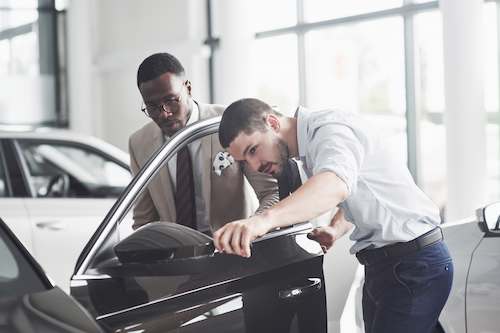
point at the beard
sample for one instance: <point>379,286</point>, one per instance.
<point>176,122</point>
<point>170,127</point>
<point>284,155</point>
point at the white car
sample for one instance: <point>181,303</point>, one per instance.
<point>55,188</point>
<point>473,304</point>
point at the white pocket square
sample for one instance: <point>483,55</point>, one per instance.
<point>222,160</point>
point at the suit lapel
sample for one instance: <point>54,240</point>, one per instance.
<point>206,152</point>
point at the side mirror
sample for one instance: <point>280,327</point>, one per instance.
<point>163,241</point>
<point>490,217</point>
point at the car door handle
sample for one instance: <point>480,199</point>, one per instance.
<point>51,225</point>
<point>312,285</point>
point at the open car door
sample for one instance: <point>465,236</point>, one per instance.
<point>164,277</point>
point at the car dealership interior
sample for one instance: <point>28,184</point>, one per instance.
<point>425,74</point>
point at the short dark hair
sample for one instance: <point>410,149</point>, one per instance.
<point>156,65</point>
<point>246,115</point>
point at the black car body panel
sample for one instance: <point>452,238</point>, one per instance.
<point>280,287</point>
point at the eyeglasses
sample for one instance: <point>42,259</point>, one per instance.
<point>154,110</point>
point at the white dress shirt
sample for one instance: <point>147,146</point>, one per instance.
<point>383,203</point>
<point>202,218</point>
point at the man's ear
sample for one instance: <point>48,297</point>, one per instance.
<point>273,121</point>
<point>187,83</point>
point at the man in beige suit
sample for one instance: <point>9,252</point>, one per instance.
<point>167,100</point>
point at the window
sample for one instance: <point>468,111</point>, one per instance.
<point>9,269</point>
<point>384,59</point>
<point>320,10</point>
<point>63,170</point>
<point>359,68</point>
<point>277,80</point>
<point>17,276</point>
<point>429,91</point>
<point>266,13</point>
<point>30,32</point>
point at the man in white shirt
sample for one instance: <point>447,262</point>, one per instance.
<point>408,270</point>
<point>188,191</point>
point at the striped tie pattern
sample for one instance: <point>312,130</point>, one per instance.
<point>184,194</point>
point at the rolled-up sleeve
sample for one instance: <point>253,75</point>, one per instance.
<point>335,147</point>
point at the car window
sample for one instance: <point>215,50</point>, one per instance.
<point>9,269</point>
<point>156,201</point>
<point>162,190</point>
<point>63,170</point>
<point>17,276</point>
<point>141,201</point>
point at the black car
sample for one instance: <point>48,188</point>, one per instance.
<point>164,277</point>
<point>28,300</point>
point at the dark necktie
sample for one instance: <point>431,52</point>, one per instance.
<point>289,179</point>
<point>184,194</point>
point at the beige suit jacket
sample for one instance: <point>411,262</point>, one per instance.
<point>229,197</point>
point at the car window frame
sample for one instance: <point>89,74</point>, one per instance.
<point>16,142</point>
<point>4,165</point>
<point>13,164</point>
<point>123,205</point>
<point>131,194</point>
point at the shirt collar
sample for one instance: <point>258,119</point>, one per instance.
<point>195,113</point>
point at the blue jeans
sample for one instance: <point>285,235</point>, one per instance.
<point>407,294</point>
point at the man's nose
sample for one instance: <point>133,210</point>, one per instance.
<point>254,164</point>
<point>165,111</point>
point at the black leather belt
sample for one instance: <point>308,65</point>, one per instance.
<point>369,256</point>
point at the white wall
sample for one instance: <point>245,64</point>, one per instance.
<point>465,118</point>
<point>232,21</point>
<point>107,40</point>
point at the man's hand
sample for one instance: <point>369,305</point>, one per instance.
<point>235,237</point>
<point>325,236</point>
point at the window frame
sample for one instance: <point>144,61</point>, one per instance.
<point>50,26</point>
<point>14,167</point>
<point>4,166</point>
<point>407,12</point>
